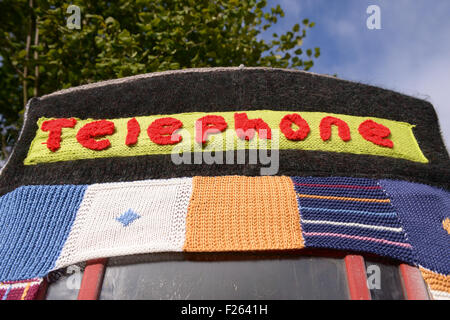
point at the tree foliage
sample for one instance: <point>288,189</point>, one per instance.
<point>39,54</point>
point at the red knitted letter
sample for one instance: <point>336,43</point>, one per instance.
<point>207,125</point>
<point>161,131</point>
<point>55,129</point>
<point>325,128</point>
<point>286,127</point>
<point>133,132</point>
<point>88,132</point>
<point>245,128</point>
<point>376,133</point>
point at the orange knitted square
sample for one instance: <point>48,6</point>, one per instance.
<point>436,281</point>
<point>236,213</point>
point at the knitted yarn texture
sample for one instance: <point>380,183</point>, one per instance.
<point>20,290</point>
<point>71,224</point>
<point>77,142</point>
<point>128,218</point>
<point>242,213</point>
<point>360,169</point>
<point>418,153</point>
<point>350,214</point>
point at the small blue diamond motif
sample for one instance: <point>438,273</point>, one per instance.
<point>128,217</point>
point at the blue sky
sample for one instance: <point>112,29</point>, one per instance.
<point>410,54</point>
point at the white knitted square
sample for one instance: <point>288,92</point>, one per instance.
<point>97,232</point>
<point>440,295</point>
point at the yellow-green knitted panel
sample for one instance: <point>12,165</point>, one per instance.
<point>405,144</point>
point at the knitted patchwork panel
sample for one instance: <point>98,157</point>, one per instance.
<point>350,214</point>
<point>71,224</point>
<point>242,213</point>
<point>34,224</point>
<point>423,211</point>
<point>79,187</point>
<point>128,218</point>
<point>438,284</point>
<point>20,290</point>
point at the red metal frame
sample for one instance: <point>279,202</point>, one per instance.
<point>356,277</point>
<point>42,292</point>
<point>91,283</point>
<point>414,286</point>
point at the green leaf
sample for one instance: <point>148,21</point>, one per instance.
<point>110,20</point>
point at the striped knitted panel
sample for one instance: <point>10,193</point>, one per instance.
<point>438,284</point>
<point>423,211</point>
<point>125,218</point>
<point>20,290</point>
<point>238,213</point>
<point>350,214</point>
<point>34,224</point>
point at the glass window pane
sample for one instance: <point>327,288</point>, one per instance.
<point>64,284</point>
<point>225,276</point>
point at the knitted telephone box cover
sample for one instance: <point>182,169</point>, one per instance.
<point>227,159</point>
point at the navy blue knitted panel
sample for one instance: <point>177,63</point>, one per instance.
<point>34,224</point>
<point>350,214</point>
<point>422,210</point>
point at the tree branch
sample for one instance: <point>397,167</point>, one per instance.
<point>4,148</point>
<point>36,56</point>
<point>27,56</point>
